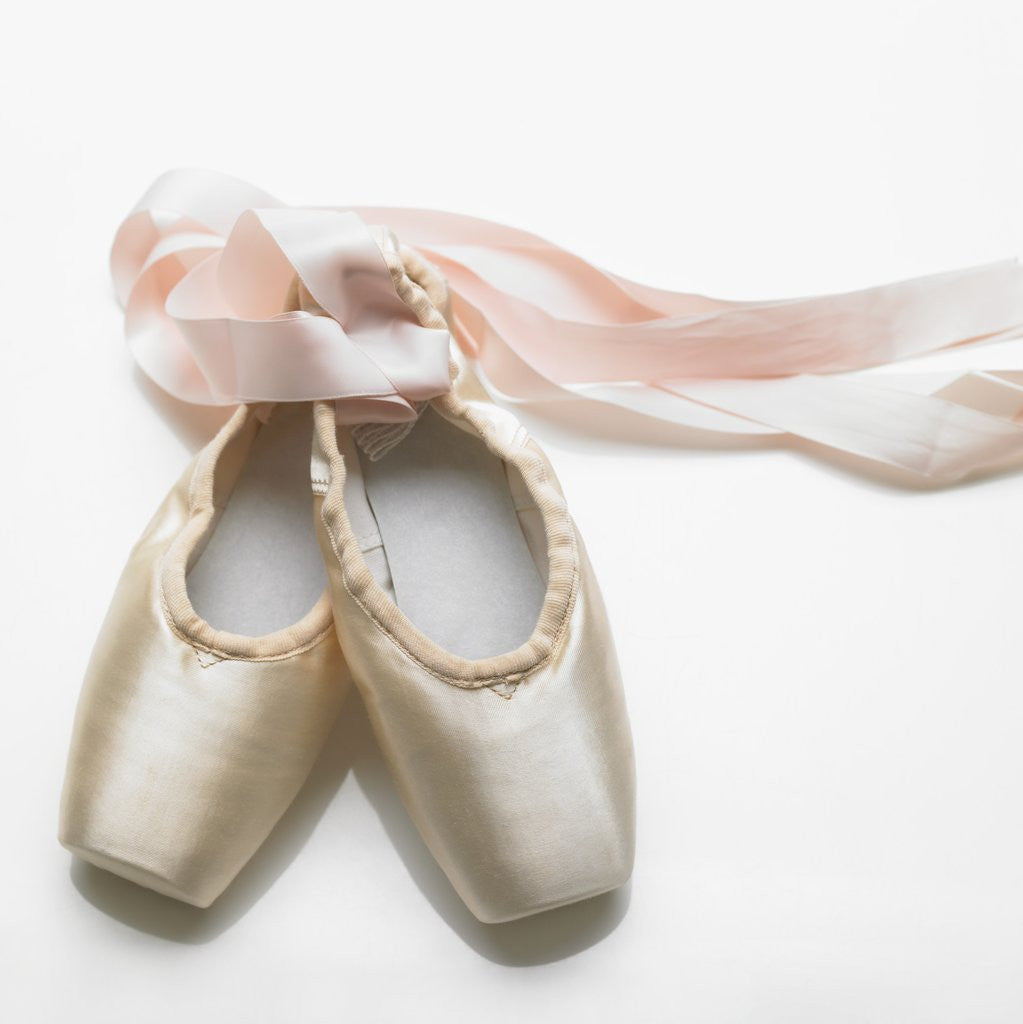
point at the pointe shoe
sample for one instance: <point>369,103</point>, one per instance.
<point>475,631</point>
<point>216,675</point>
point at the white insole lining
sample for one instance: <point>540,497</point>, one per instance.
<point>262,570</point>
<point>454,555</point>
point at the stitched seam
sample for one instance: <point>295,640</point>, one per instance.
<point>487,430</point>
<point>219,652</point>
<point>503,696</point>
<point>223,655</point>
<point>197,506</point>
<point>463,684</point>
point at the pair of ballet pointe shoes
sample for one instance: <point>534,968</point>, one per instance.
<point>441,572</point>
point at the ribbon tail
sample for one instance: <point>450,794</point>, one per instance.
<point>843,371</point>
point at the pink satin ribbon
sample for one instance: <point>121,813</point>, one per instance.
<point>204,285</point>
<point>203,262</point>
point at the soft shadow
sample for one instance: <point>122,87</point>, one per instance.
<point>170,919</point>
<point>593,428</point>
<point>543,938</point>
<point>194,425</point>
<point>845,464</point>
<point>602,428</point>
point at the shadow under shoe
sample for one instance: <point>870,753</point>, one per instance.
<point>190,741</point>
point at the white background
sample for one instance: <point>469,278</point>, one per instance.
<point>826,698</point>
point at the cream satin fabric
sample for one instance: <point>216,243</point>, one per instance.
<point>918,374</point>
<point>189,743</point>
<point>518,770</point>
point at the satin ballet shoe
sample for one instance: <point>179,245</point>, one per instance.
<point>216,675</point>
<point>476,633</point>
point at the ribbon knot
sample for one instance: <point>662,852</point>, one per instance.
<point>214,319</point>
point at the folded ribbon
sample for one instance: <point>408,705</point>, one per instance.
<point>207,317</point>
<point>203,262</point>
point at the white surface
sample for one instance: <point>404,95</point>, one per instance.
<point>823,671</point>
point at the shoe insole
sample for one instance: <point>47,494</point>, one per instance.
<point>459,563</point>
<point>262,570</point>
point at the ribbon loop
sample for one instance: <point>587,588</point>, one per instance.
<point>208,319</point>
<point>204,265</point>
